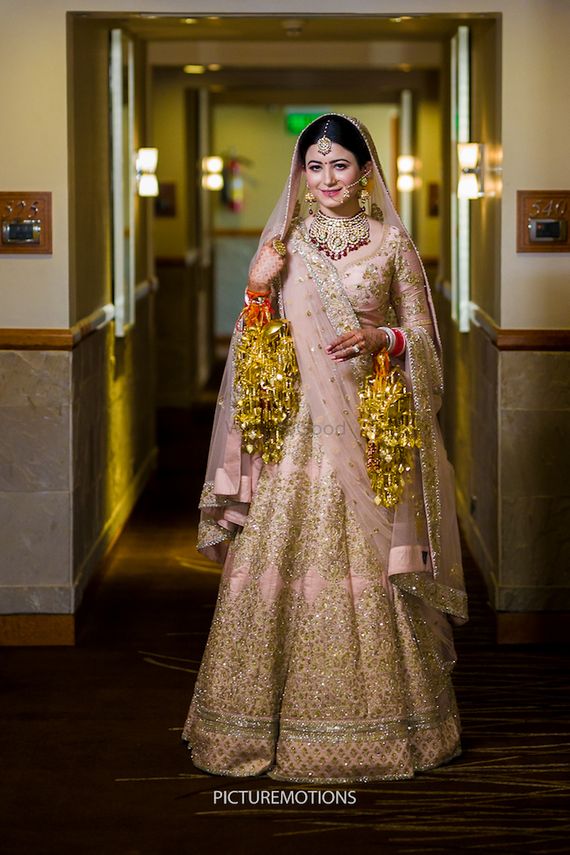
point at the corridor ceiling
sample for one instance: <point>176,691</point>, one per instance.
<point>309,28</point>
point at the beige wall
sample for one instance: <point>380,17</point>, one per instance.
<point>34,291</point>
<point>536,130</point>
<point>429,133</point>
<point>168,133</point>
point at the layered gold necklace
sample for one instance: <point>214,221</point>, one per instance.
<point>337,236</point>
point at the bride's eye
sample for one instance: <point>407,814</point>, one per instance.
<point>314,167</point>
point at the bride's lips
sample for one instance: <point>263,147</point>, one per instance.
<point>331,192</point>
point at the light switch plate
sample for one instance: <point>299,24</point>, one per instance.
<point>543,205</point>
<point>25,222</point>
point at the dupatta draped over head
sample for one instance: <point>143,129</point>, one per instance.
<point>418,541</point>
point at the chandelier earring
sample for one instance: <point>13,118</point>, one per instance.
<point>363,194</point>
<point>311,200</point>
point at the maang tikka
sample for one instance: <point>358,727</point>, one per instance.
<point>324,144</point>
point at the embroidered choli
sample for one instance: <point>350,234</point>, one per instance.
<point>386,286</point>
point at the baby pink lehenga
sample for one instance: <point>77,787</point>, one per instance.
<point>331,648</point>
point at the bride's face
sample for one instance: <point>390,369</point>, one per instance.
<point>328,175</point>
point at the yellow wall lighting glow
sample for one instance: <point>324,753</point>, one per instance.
<point>147,160</point>
<point>212,181</point>
<point>468,186</point>
<point>406,163</point>
<point>405,183</point>
<point>194,69</point>
<point>469,155</point>
<point>212,164</point>
<point>148,185</point>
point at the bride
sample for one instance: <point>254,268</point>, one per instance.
<point>331,647</point>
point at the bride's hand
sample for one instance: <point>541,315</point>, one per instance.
<point>356,342</point>
<point>268,264</point>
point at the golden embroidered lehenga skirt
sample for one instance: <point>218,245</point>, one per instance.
<point>316,669</point>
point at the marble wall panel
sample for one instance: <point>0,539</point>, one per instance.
<point>532,380</point>
<point>534,569</point>
<point>534,454</point>
<point>536,541</point>
<point>533,599</point>
<point>34,421</point>
<point>36,537</point>
<point>33,378</point>
<point>34,448</point>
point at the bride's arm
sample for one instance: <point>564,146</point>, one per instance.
<point>266,267</point>
<point>407,292</point>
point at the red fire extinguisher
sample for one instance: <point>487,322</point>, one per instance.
<point>233,189</point>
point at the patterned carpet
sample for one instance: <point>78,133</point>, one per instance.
<point>90,737</point>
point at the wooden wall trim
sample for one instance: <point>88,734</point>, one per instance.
<point>521,339</point>
<point>36,339</point>
<point>67,338</point>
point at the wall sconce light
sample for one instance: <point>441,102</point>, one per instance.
<point>212,178</point>
<point>145,165</point>
<point>471,157</point>
<point>407,178</point>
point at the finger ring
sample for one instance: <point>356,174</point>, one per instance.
<point>356,348</point>
<point>279,247</point>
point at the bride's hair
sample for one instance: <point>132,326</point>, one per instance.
<point>338,130</point>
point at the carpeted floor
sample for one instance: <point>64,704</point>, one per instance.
<point>92,761</point>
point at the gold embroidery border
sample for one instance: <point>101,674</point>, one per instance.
<point>322,731</point>
<point>210,533</point>
<point>421,382</point>
<point>441,597</point>
<point>335,300</point>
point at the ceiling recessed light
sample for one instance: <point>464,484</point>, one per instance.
<point>402,18</point>
<point>214,66</point>
<point>194,69</point>
<point>190,20</point>
<point>404,66</point>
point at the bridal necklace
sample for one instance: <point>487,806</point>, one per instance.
<point>337,236</point>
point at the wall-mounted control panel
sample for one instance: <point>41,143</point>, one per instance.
<point>542,220</point>
<point>25,222</point>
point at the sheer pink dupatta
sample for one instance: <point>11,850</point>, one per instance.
<point>318,311</point>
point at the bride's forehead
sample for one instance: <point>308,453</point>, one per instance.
<point>337,151</point>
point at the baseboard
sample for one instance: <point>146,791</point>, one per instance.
<point>532,627</point>
<point>37,630</point>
